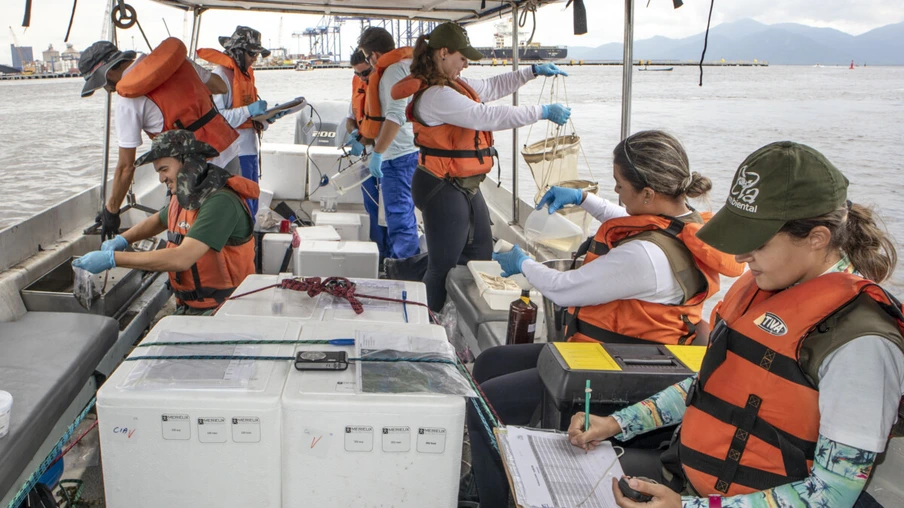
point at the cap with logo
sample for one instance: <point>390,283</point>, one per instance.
<point>96,61</point>
<point>780,182</point>
<point>453,37</point>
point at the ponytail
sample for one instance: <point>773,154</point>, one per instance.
<point>857,234</point>
<point>423,65</point>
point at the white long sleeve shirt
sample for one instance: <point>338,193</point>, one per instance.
<point>443,105</point>
<point>248,142</point>
<point>637,270</point>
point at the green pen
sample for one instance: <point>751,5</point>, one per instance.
<point>587,391</point>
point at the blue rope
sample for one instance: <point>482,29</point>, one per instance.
<point>486,426</point>
<point>36,475</point>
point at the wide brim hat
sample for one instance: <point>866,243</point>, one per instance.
<point>176,143</point>
<point>245,38</point>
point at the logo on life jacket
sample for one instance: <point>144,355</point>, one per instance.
<point>184,225</point>
<point>743,194</point>
<point>772,324</point>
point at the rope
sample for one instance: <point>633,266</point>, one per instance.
<point>706,39</point>
<point>51,458</point>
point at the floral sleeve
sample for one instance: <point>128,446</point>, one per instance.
<point>838,476</point>
<point>664,408</point>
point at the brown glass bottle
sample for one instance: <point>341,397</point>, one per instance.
<point>522,320</point>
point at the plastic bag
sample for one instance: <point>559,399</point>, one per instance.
<point>83,287</point>
<point>85,453</point>
<point>448,319</point>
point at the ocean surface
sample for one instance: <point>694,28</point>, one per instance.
<point>51,140</point>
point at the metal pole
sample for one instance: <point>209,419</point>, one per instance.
<point>107,108</point>
<point>627,68</point>
<point>516,207</point>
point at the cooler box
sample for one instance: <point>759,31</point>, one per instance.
<point>274,246</point>
<point>299,306</point>
<point>619,374</point>
<point>196,432</point>
<point>337,259</point>
<point>345,448</point>
<point>501,299</point>
<point>348,225</point>
<point>284,169</point>
<point>325,161</point>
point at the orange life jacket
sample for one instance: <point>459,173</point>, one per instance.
<point>170,82</point>
<point>369,126</point>
<point>630,320</point>
<point>359,97</point>
<point>753,416</point>
<point>244,92</point>
<point>447,150</point>
<point>215,276</point>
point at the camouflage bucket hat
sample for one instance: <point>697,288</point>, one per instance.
<point>176,143</point>
<point>247,39</point>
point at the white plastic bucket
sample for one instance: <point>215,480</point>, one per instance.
<point>6,407</point>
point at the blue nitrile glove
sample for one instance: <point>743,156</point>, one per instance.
<point>548,69</point>
<point>556,113</point>
<point>96,261</point>
<point>117,243</point>
<point>510,261</point>
<point>257,108</point>
<point>557,197</point>
<point>356,147</point>
<point>278,115</point>
<point>376,163</point>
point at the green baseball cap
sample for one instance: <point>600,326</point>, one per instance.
<point>453,37</point>
<point>780,182</point>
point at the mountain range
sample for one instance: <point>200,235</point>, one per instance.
<point>779,44</point>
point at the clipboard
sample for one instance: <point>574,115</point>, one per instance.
<point>295,105</point>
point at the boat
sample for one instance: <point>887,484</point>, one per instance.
<point>654,69</point>
<point>81,348</point>
<point>502,48</point>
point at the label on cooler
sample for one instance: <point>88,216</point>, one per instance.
<point>359,438</point>
<point>246,429</point>
<point>346,386</point>
<point>176,427</point>
<point>396,439</point>
<point>212,429</point>
<point>431,440</point>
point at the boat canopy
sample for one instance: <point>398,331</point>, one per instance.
<point>461,11</point>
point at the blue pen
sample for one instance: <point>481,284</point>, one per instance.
<point>587,391</point>
<point>404,305</point>
<point>342,342</point>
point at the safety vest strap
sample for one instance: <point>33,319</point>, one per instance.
<point>174,238</point>
<point>743,475</point>
<point>458,154</point>
<point>598,248</point>
<point>200,122</point>
<point>754,352</point>
<point>196,295</point>
<point>575,325</point>
<point>795,450</point>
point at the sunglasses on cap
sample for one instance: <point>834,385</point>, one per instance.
<point>363,74</point>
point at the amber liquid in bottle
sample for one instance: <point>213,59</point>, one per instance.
<point>522,320</point>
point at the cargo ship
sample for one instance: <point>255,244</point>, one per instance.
<point>502,48</point>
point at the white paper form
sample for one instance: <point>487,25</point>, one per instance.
<point>549,472</point>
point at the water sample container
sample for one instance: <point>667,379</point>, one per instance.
<point>351,177</point>
<point>553,231</point>
<point>6,407</point>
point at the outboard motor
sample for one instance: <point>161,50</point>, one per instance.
<point>324,126</point>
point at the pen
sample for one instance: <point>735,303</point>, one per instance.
<point>587,391</point>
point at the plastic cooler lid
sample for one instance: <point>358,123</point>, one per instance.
<point>336,218</point>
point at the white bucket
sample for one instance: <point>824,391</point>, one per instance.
<point>6,407</point>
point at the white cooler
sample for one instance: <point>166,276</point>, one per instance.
<point>348,225</point>
<point>202,433</point>
<point>337,259</point>
<point>274,246</point>
<point>325,161</point>
<point>284,169</point>
<point>299,306</point>
<point>501,299</point>
<point>343,448</point>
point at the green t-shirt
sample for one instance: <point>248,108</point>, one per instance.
<point>221,217</point>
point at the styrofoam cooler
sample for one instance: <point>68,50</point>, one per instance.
<point>325,161</point>
<point>275,245</point>
<point>501,299</point>
<point>337,259</point>
<point>348,225</point>
<point>343,448</point>
<point>203,433</point>
<point>284,169</point>
<point>297,305</point>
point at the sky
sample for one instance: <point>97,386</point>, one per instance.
<point>605,17</point>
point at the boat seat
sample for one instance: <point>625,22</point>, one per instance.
<point>472,309</point>
<point>46,360</point>
<point>491,334</point>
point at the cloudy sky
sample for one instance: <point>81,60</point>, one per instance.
<point>50,18</point>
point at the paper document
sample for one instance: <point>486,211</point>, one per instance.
<point>546,471</point>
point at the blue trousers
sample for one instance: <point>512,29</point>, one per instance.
<point>398,239</point>
<point>251,171</point>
